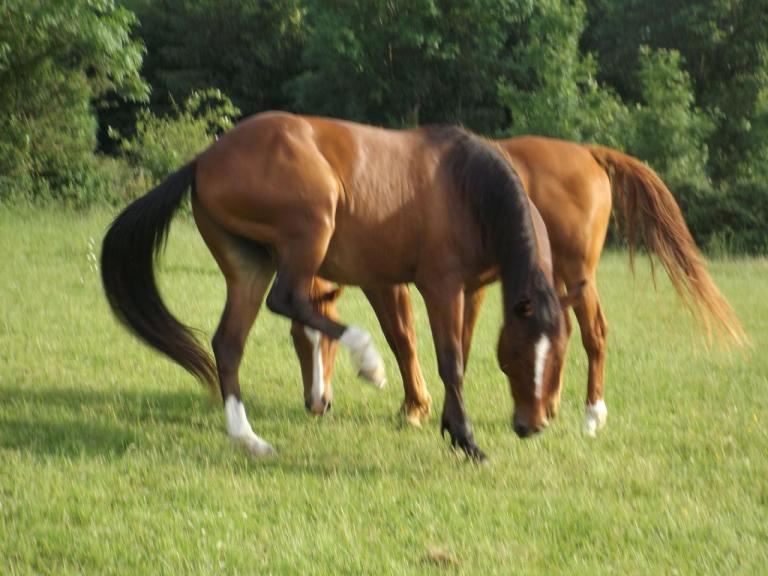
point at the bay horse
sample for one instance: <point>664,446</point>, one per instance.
<point>573,186</point>
<point>304,196</point>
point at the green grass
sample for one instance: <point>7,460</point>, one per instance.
<point>112,460</point>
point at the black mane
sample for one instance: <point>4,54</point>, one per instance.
<point>495,196</point>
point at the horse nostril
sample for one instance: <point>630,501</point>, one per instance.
<point>521,430</point>
<point>308,404</point>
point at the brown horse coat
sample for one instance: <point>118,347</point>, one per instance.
<point>572,186</point>
<point>359,205</point>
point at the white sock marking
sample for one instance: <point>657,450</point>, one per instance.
<point>318,381</point>
<point>595,417</point>
<point>240,431</point>
<point>541,348</point>
<point>364,355</point>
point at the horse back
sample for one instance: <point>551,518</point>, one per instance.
<point>373,190</point>
<point>570,189</point>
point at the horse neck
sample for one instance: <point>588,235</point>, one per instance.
<point>510,236</point>
<point>516,253</point>
<point>499,205</point>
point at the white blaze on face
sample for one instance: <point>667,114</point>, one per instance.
<point>541,349</point>
<point>240,431</point>
<point>318,381</point>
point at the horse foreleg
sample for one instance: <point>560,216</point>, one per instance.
<point>445,307</point>
<point>594,330</point>
<point>392,306</point>
<point>290,297</point>
<point>473,300</point>
<point>553,405</point>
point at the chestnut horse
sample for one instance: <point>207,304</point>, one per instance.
<point>305,196</point>
<point>572,186</point>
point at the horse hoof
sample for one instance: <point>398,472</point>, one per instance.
<point>317,408</point>
<point>464,440</point>
<point>553,408</point>
<point>254,445</point>
<point>414,414</point>
<point>364,355</point>
<point>595,417</point>
<point>377,378</point>
<point>410,419</point>
<point>475,454</point>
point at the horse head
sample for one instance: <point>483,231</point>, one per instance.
<point>317,355</point>
<point>531,351</point>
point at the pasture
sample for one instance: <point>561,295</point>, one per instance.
<point>113,460</point>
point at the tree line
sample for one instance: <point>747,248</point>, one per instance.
<point>102,98</point>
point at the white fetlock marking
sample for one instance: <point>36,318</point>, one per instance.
<point>541,348</point>
<point>318,382</point>
<point>596,415</point>
<point>240,431</point>
<point>364,355</point>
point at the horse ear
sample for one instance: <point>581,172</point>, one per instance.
<point>524,309</point>
<point>573,294</point>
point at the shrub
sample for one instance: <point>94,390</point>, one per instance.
<point>737,221</point>
<point>162,144</point>
<point>57,59</point>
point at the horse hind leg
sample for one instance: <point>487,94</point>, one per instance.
<point>553,404</point>
<point>248,270</point>
<point>594,330</point>
<point>244,297</point>
<point>392,306</point>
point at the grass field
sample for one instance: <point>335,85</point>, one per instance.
<point>113,461</point>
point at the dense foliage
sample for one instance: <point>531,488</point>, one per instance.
<point>682,85</point>
<point>57,61</point>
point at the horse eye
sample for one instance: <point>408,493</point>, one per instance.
<point>523,309</point>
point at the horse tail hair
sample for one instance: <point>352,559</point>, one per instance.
<point>131,245</point>
<point>648,207</point>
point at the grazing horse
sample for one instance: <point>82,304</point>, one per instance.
<point>306,196</point>
<point>572,186</point>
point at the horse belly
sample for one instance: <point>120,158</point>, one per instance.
<point>369,256</point>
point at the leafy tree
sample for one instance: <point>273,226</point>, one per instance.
<point>162,144</point>
<point>404,63</point>
<point>246,48</point>
<point>724,49</point>
<point>551,87</point>
<point>667,129</point>
<point>56,60</point>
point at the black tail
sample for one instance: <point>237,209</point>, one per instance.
<point>130,247</point>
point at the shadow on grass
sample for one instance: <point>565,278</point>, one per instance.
<point>68,422</point>
<point>67,438</point>
<point>76,422</point>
